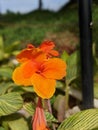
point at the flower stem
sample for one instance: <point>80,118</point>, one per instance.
<point>67,97</point>
<point>48,104</point>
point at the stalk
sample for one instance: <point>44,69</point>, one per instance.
<point>67,97</point>
<point>48,105</point>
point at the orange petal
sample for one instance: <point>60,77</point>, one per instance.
<point>54,68</point>
<point>30,46</point>
<point>27,53</point>
<point>45,88</point>
<point>47,46</point>
<point>24,55</point>
<point>54,53</point>
<point>19,79</point>
<point>28,68</point>
<point>40,56</point>
<point>31,54</point>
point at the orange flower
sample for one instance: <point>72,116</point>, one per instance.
<point>30,53</point>
<point>39,121</point>
<point>45,50</point>
<point>42,75</point>
<point>39,70</point>
<point>47,47</point>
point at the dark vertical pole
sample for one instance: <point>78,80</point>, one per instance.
<point>40,5</point>
<point>85,25</point>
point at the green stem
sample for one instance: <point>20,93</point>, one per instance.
<point>67,97</point>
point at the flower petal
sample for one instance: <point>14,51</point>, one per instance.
<point>24,55</point>
<point>47,46</point>
<point>19,79</point>
<point>45,88</point>
<point>31,54</point>
<point>54,53</point>
<point>55,68</point>
<point>29,68</point>
<point>39,56</point>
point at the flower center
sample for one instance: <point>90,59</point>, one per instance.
<point>40,70</point>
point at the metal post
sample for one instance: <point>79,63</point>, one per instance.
<point>40,5</point>
<point>85,25</point>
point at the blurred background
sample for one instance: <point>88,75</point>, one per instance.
<point>36,20</point>
<point>32,21</point>
<point>25,6</point>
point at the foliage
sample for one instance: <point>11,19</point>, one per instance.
<point>85,120</point>
<point>17,103</point>
<point>10,103</point>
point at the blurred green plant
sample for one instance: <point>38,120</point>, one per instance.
<point>73,77</point>
<point>17,104</point>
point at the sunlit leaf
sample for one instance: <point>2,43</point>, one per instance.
<point>14,121</point>
<point>73,67</point>
<point>50,117</point>
<point>65,56</point>
<point>28,89</point>
<point>29,108</point>
<point>18,124</point>
<point>1,128</point>
<point>1,48</point>
<point>10,103</point>
<point>96,90</point>
<point>84,120</point>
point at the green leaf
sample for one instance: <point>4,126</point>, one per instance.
<point>59,106</point>
<point>60,85</point>
<point>19,124</point>
<point>6,72</point>
<point>1,55</point>
<point>84,120</point>
<point>22,89</point>
<point>1,42</point>
<point>96,85</point>
<point>14,121</point>
<point>96,90</point>
<point>10,103</point>
<point>18,89</point>
<point>5,86</point>
<point>1,48</point>
<point>65,56</point>
<point>50,117</point>
<point>29,108</point>
<point>13,46</point>
<point>73,67</point>
<point>28,89</point>
<point>1,128</point>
